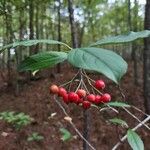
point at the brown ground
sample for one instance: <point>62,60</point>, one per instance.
<point>35,100</point>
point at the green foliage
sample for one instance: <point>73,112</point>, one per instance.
<point>30,43</point>
<point>42,60</point>
<point>118,121</point>
<point>35,137</point>
<point>66,135</point>
<point>118,104</point>
<point>96,59</point>
<point>18,120</point>
<point>134,140</point>
<point>131,36</point>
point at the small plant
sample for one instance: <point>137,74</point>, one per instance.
<point>18,120</point>
<point>66,135</point>
<point>35,137</point>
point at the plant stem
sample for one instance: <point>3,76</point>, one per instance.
<point>72,124</point>
<point>134,129</point>
<point>135,117</point>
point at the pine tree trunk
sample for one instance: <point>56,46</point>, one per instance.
<point>31,25</point>
<point>59,32</point>
<point>72,25</point>
<point>147,59</point>
<point>134,48</point>
<point>9,36</point>
<point>75,44</point>
<point>37,26</point>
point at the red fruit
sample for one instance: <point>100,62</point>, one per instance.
<point>97,99</point>
<point>91,98</point>
<point>105,98</point>
<point>86,104</point>
<point>81,93</point>
<point>99,84</point>
<point>80,100</point>
<point>62,92</point>
<point>73,97</point>
<point>54,89</point>
<point>65,98</point>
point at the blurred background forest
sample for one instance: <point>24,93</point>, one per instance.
<point>77,23</point>
<point>93,20</point>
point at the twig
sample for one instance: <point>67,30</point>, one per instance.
<point>79,85</point>
<point>121,92</point>
<point>135,117</point>
<point>134,129</point>
<point>72,124</point>
<point>73,80</point>
<point>85,87</point>
<point>139,110</point>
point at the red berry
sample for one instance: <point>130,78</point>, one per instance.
<point>54,89</point>
<point>73,97</point>
<point>105,98</point>
<point>97,99</point>
<point>80,100</point>
<point>65,98</point>
<point>86,104</point>
<point>99,84</point>
<point>81,93</point>
<point>62,91</point>
<point>91,98</point>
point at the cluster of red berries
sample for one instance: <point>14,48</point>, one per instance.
<point>81,97</point>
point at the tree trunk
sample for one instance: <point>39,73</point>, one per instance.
<point>59,32</point>
<point>37,26</point>
<point>31,25</point>
<point>75,44</point>
<point>134,48</point>
<point>129,15</point>
<point>147,60</point>
<point>9,36</point>
<point>72,25</point>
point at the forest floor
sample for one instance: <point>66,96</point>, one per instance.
<point>34,99</point>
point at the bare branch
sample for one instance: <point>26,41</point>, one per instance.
<point>134,129</point>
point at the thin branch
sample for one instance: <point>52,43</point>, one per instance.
<point>139,110</point>
<point>79,85</point>
<point>121,92</point>
<point>72,124</point>
<point>134,129</point>
<point>135,117</point>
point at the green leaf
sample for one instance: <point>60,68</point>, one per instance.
<point>134,140</point>
<point>66,135</point>
<point>119,122</point>
<point>97,59</point>
<point>118,104</point>
<point>30,43</point>
<point>131,36</point>
<point>42,60</point>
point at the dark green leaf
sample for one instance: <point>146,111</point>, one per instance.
<point>97,59</point>
<point>66,135</point>
<point>119,122</point>
<point>118,104</point>
<point>131,36</point>
<point>42,60</point>
<point>134,140</point>
<point>30,43</point>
